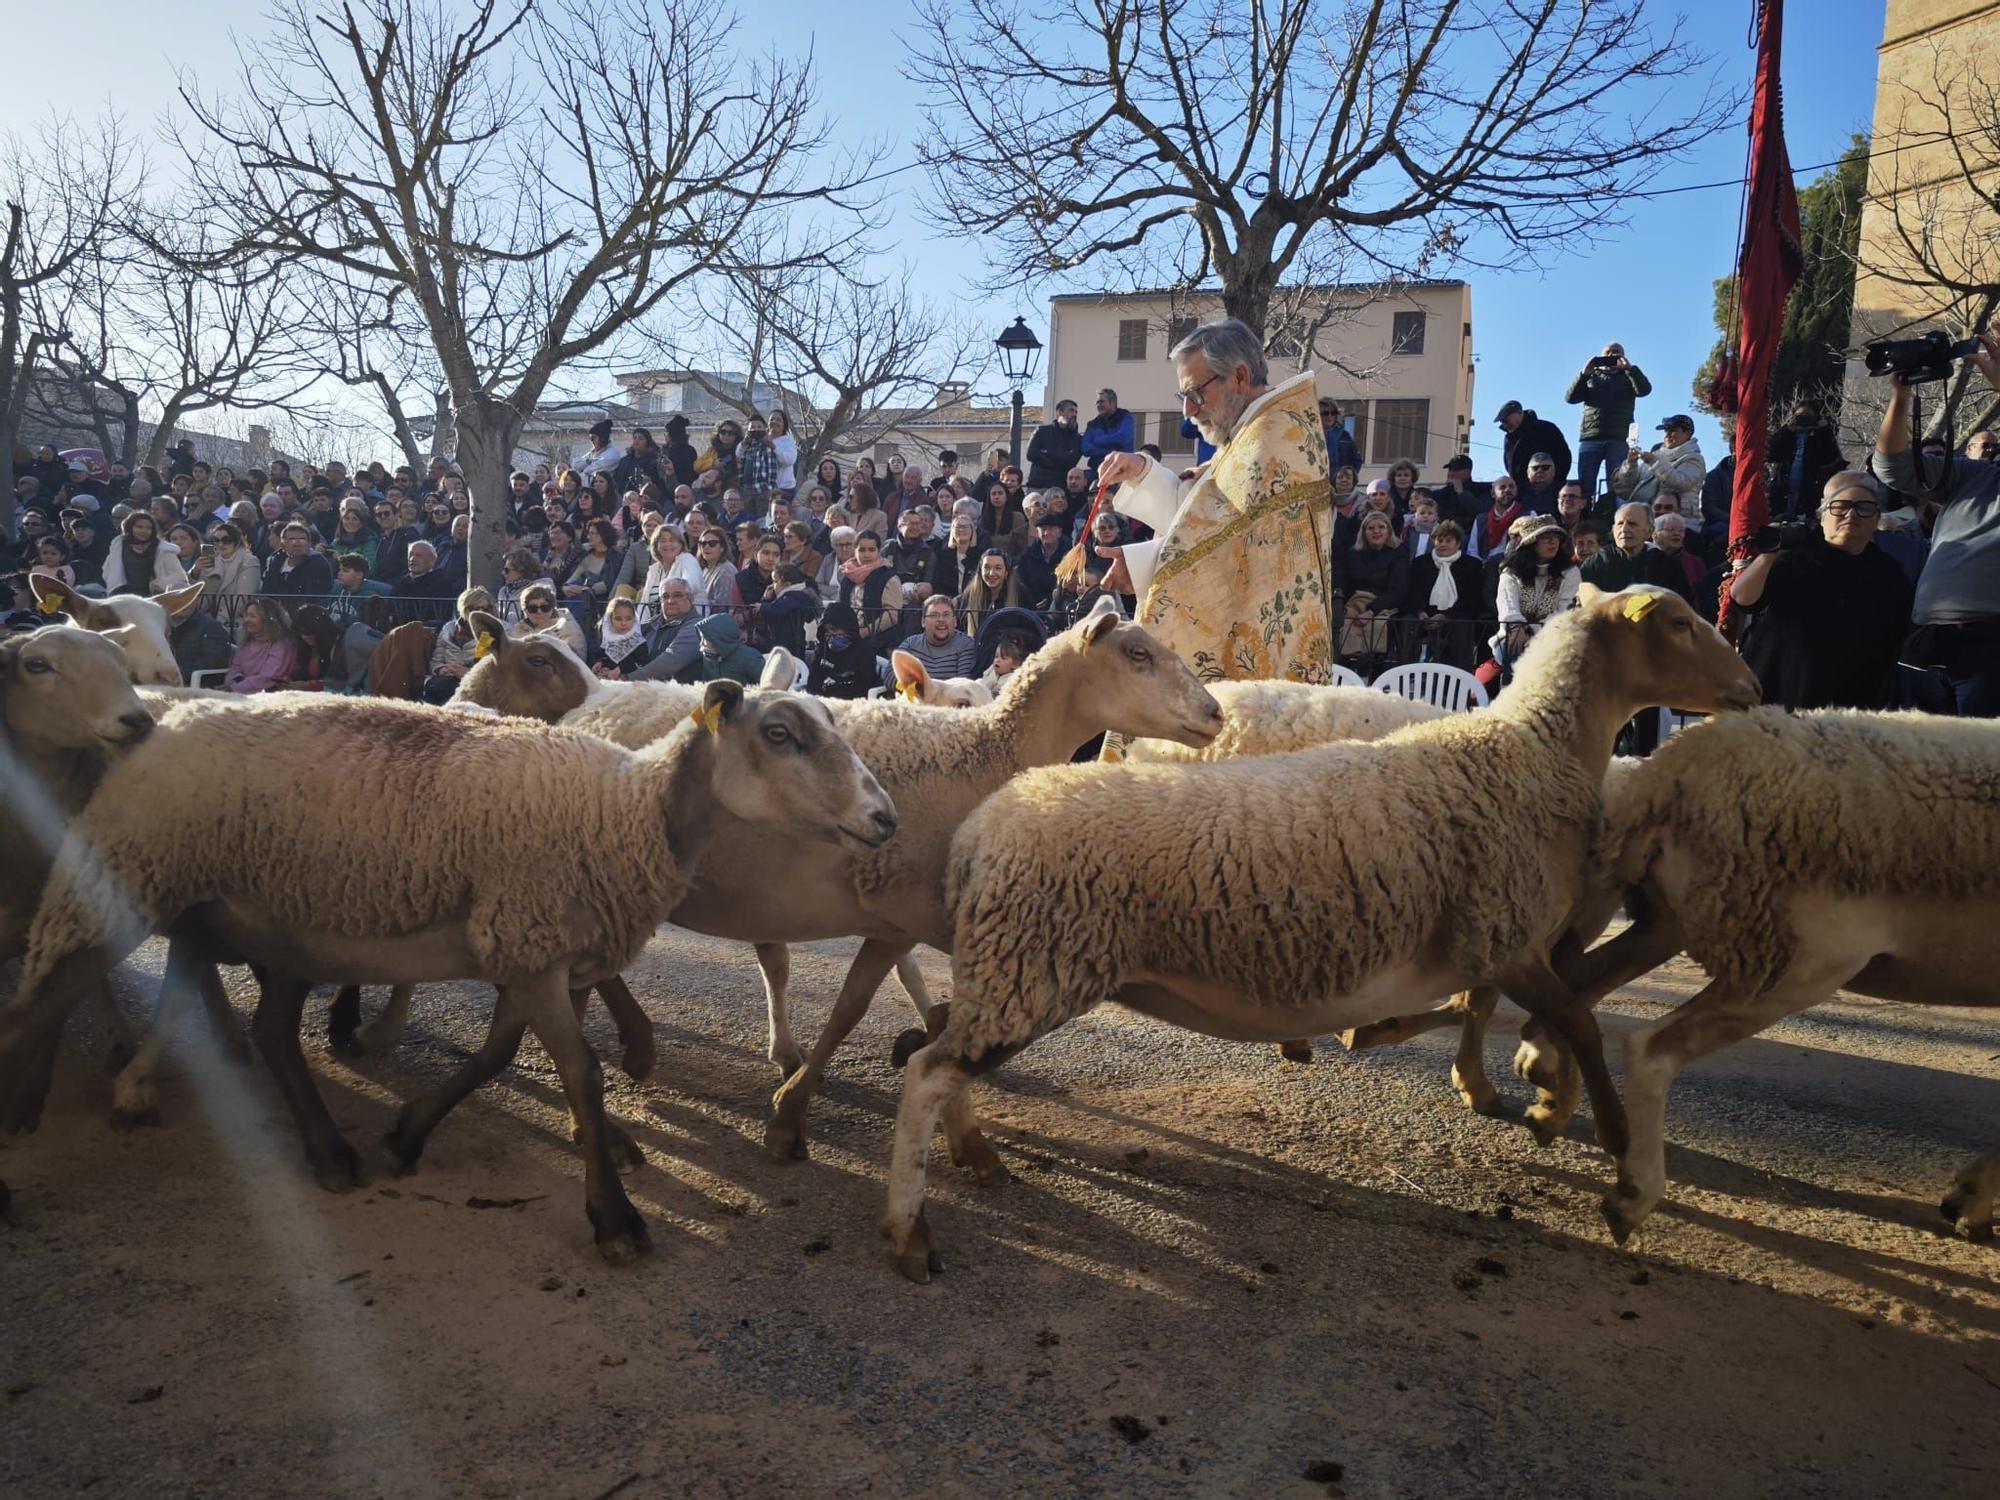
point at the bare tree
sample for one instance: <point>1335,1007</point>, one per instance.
<point>61,190</point>
<point>535,177</point>
<point>1928,257</point>
<point>1260,144</point>
<point>856,357</point>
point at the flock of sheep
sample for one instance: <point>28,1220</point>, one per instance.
<point>1275,862</point>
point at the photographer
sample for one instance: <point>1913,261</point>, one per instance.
<point>1957,607</point>
<point>1828,608</point>
<point>1608,389</point>
<point>1803,456</point>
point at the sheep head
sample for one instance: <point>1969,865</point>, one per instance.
<point>67,688</point>
<point>530,677</point>
<point>778,759</point>
<point>1127,680</point>
<point>149,655</point>
<point>916,684</point>
<point>1659,651</point>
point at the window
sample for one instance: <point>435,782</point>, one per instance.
<point>1354,417</point>
<point>1131,338</point>
<point>1178,329</point>
<point>1408,335</point>
<point>1402,430</point>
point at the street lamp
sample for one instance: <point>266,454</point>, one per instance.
<point>1018,350</point>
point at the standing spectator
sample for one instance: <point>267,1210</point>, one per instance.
<point>1676,465</point>
<point>944,649</point>
<point>1539,580</point>
<point>1608,389</point>
<point>1112,430</point>
<point>720,457</point>
<point>602,454</point>
<point>1417,530</point>
<point>1527,435</point>
<point>757,468</point>
<point>1489,529</point>
<point>680,452</point>
<point>1803,455</point>
<point>786,447</point>
<point>1461,497</point>
<point>1539,494</point>
<point>1341,449</point>
<point>141,563</point>
<point>1828,609</point>
<point>1632,558</point>
<point>1957,607</point>
<point>643,463</point>
<point>267,657</point>
<point>1447,586</point>
<point>294,570</point>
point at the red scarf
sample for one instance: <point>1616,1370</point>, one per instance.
<point>1497,522</point>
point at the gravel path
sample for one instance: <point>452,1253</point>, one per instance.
<point>1212,1273</point>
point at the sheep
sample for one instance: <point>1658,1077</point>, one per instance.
<point>148,651</point>
<point>1099,675</point>
<point>915,683</point>
<point>1264,717</point>
<point>1291,894</point>
<point>1792,855</point>
<point>295,892</point>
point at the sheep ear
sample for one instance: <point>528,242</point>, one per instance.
<point>910,672</point>
<point>1101,621</point>
<point>178,602</point>
<point>1587,595</point>
<point>488,628</point>
<point>781,669</point>
<point>721,702</point>
<point>54,596</point>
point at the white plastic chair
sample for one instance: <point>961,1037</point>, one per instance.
<point>1347,677</point>
<point>213,677</point>
<point>1432,682</point>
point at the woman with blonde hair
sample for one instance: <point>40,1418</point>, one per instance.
<point>540,611</point>
<point>670,560</point>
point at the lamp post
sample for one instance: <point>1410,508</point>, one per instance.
<point>1018,350</point>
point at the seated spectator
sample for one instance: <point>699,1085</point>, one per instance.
<point>917,560</point>
<point>671,559</point>
<point>1828,610</point>
<point>845,664</point>
<point>724,654</point>
<point>1670,536</point>
<point>789,605</point>
<point>675,648</point>
<point>1373,578</point>
<point>51,554</point>
<point>294,570</point>
<point>991,587</point>
<point>1008,657</point>
<point>622,645</point>
<point>718,573</point>
<point>186,542</point>
<point>1035,574</point>
<point>423,592</point>
<point>944,649</point>
<point>456,648</point>
<point>352,588</point>
<point>1421,522</point>
<point>753,584</point>
<point>1461,497</point>
<point>961,552</point>
<point>588,579</point>
<point>1632,558</point>
<point>1107,541</point>
<point>1586,542</point>
<point>1445,591</point>
<point>1538,581</point>
<point>799,551</point>
<point>142,563</point>
<point>870,588</point>
<point>267,656</point>
<point>1539,495</point>
<point>518,569</point>
<point>839,553</point>
<point>539,611</point>
<point>1488,536</point>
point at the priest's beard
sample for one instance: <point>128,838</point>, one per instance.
<point>1217,421</point>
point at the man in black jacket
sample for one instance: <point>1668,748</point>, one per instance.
<point>1608,389</point>
<point>1803,455</point>
<point>1527,435</point>
<point>294,570</point>
<point>913,554</point>
<point>1035,573</point>
<point>1055,449</point>
<point>1632,557</point>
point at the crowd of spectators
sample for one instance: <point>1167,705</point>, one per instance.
<point>659,560</point>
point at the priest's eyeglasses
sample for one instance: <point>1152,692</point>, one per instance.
<point>1193,399</point>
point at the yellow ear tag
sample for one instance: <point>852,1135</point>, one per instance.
<point>1639,608</point>
<point>709,718</point>
<point>911,692</point>
<point>483,647</point>
<point>51,604</point>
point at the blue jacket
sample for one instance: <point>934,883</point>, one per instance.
<point>1102,436</point>
<point>1204,450</point>
<point>1341,450</point>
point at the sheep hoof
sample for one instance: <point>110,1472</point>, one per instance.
<point>131,1117</point>
<point>785,1140</point>
<point>788,1063</point>
<point>1485,1102</point>
<point>1545,1125</point>
<point>345,1044</point>
<point>916,1257</point>
<point>638,1059</point>
<point>976,1152</point>
<point>621,1235</point>
<point>624,1150</point>
<point>342,1171</point>
<point>1969,1221</point>
<point>908,1045</point>
<point>404,1150</point>
<point>1296,1052</point>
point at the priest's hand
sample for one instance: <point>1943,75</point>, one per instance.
<point>1117,468</point>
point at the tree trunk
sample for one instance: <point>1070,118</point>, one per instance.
<point>163,435</point>
<point>128,440</point>
<point>1248,299</point>
<point>487,432</point>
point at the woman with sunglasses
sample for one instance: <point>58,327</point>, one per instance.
<point>539,611</point>
<point>717,589</point>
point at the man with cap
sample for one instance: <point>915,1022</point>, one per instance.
<point>1676,463</point>
<point>1527,435</point>
<point>1035,573</point>
<point>601,454</point>
<point>1461,497</point>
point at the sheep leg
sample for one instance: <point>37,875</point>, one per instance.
<point>343,1019</point>
<point>124,1043</point>
<point>280,1006</point>
<point>635,1027</point>
<point>31,1026</point>
<point>931,1080</point>
<point>1538,988</point>
<point>1543,1062</point>
<point>216,1009</point>
<point>1717,1016</point>
<point>382,1034</point>
<point>619,1229</point>
<point>774,961</point>
<point>134,1100</point>
<point>421,1115</point>
<point>1969,1204</point>
<point>785,1136</point>
<point>1469,1010</point>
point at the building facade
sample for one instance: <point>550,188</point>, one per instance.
<point>1403,379</point>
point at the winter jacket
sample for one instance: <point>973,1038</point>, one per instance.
<point>732,659</point>
<point>167,571</point>
<point>1607,398</point>
<point>200,643</point>
<point>1384,574</point>
<point>1054,450</point>
<point>1342,452</point>
<point>1536,436</point>
<point>1681,472</point>
<point>784,619</point>
<point>1035,575</point>
<point>1104,436</point>
<point>310,576</point>
<point>260,666</point>
<point>1798,478</point>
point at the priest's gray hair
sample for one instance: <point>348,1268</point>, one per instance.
<point>1225,345</point>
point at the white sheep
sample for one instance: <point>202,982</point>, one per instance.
<point>1293,894</point>
<point>1793,855</point>
<point>1266,717</point>
<point>144,623</point>
<point>1099,675</point>
<point>290,888</point>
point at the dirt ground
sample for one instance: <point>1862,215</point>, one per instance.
<point>1211,1274</point>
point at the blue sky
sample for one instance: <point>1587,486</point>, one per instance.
<point>1649,285</point>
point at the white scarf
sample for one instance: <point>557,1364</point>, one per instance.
<point>1444,592</point>
<point>620,644</point>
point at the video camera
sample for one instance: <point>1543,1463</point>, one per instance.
<point>1916,361</point>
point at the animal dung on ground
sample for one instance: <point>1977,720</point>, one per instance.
<point>1324,1471</point>
<point>1131,1429</point>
